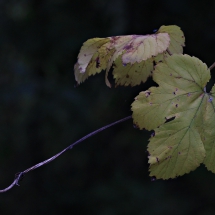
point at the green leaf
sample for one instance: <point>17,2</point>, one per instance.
<point>208,134</point>
<point>132,74</point>
<point>176,37</point>
<point>132,56</point>
<point>186,140</point>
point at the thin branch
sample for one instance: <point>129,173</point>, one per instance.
<point>19,176</point>
<point>212,66</point>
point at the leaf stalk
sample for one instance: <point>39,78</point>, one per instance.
<point>19,176</point>
<point>212,66</point>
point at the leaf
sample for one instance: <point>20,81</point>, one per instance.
<point>209,132</point>
<point>134,74</point>
<point>176,37</point>
<point>133,62</point>
<point>136,48</point>
<point>88,50</point>
<point>182,115</point>
<point>92,58</point>
<point>132,56</point>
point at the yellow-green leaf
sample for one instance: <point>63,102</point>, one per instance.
<point>176,37</point>
<point>208,135</point>
<point>89,48</point>
<point>92,59</point>
<point>179,144</point>
<point>132,55</point>
<point>176,148</point>
<point>137,48</point>
<point>133,73</point>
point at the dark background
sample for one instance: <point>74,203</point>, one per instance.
<point>41,112</point>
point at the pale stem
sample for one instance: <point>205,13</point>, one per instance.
<point>212,66</point>
<point>20,175</point>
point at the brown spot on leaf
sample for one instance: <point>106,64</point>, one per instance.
<point>128,47</point>
<point>97,62</point>
<point>147,94</point>
<point>115,38</point>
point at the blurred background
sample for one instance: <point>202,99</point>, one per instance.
<point>42,112</point>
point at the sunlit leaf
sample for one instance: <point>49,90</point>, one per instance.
<point>133,74</point>
<point>88,50</point>
<point>176,37</point>
<point>137,48</point>
<point>132,56</point>
<point>181,113</point>
<point>92,58</point>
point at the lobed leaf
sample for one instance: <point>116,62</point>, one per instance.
<point>208,134</point>
<point>182,115</point>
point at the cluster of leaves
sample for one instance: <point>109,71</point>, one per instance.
<point>179,110</point>
<point>132,56</point>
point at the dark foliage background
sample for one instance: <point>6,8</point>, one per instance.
<point>41,112</point>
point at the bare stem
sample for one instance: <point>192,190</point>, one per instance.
<point>212,66</point>
<point>20,175</point>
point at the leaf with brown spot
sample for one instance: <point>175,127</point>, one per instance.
<point>182,115</point>
<point>132,55</point>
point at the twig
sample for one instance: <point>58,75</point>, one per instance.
<point>19,176</point>
<point>212,66</point>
